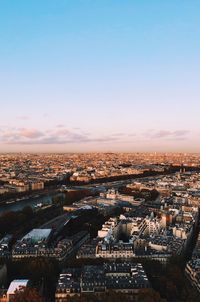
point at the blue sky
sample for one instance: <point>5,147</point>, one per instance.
<point>99,75</point>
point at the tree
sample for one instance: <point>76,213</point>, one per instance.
<point>27,294</point>
<point>150,296</point>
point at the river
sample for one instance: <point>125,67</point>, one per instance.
<point>47,199</point>
<point>32,202</point>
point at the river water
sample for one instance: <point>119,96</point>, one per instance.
<point>32,202</point>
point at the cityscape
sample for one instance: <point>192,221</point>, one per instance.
<point>99,151</point>
<point>98,224</point>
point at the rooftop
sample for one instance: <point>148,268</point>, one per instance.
<point>38,234</point>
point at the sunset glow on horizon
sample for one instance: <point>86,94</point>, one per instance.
<point>81,76</point>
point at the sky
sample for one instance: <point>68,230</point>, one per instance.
<point>99,75</point>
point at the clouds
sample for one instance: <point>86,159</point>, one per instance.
<point>30,133</point>
<point>60,135</point>
<point>167,135</point>
<point>23,117</point>
<point>15,135</point>
<point>57,136</point>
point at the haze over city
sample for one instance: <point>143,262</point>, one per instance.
<point>99,76</point>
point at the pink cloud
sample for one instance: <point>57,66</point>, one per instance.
<point>62,135</point>
<point>24,136</point>
<point>166,134</point>
<point>23,117</point>
<point>30,133</point>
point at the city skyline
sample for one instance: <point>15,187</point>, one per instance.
<point>85,76</point>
